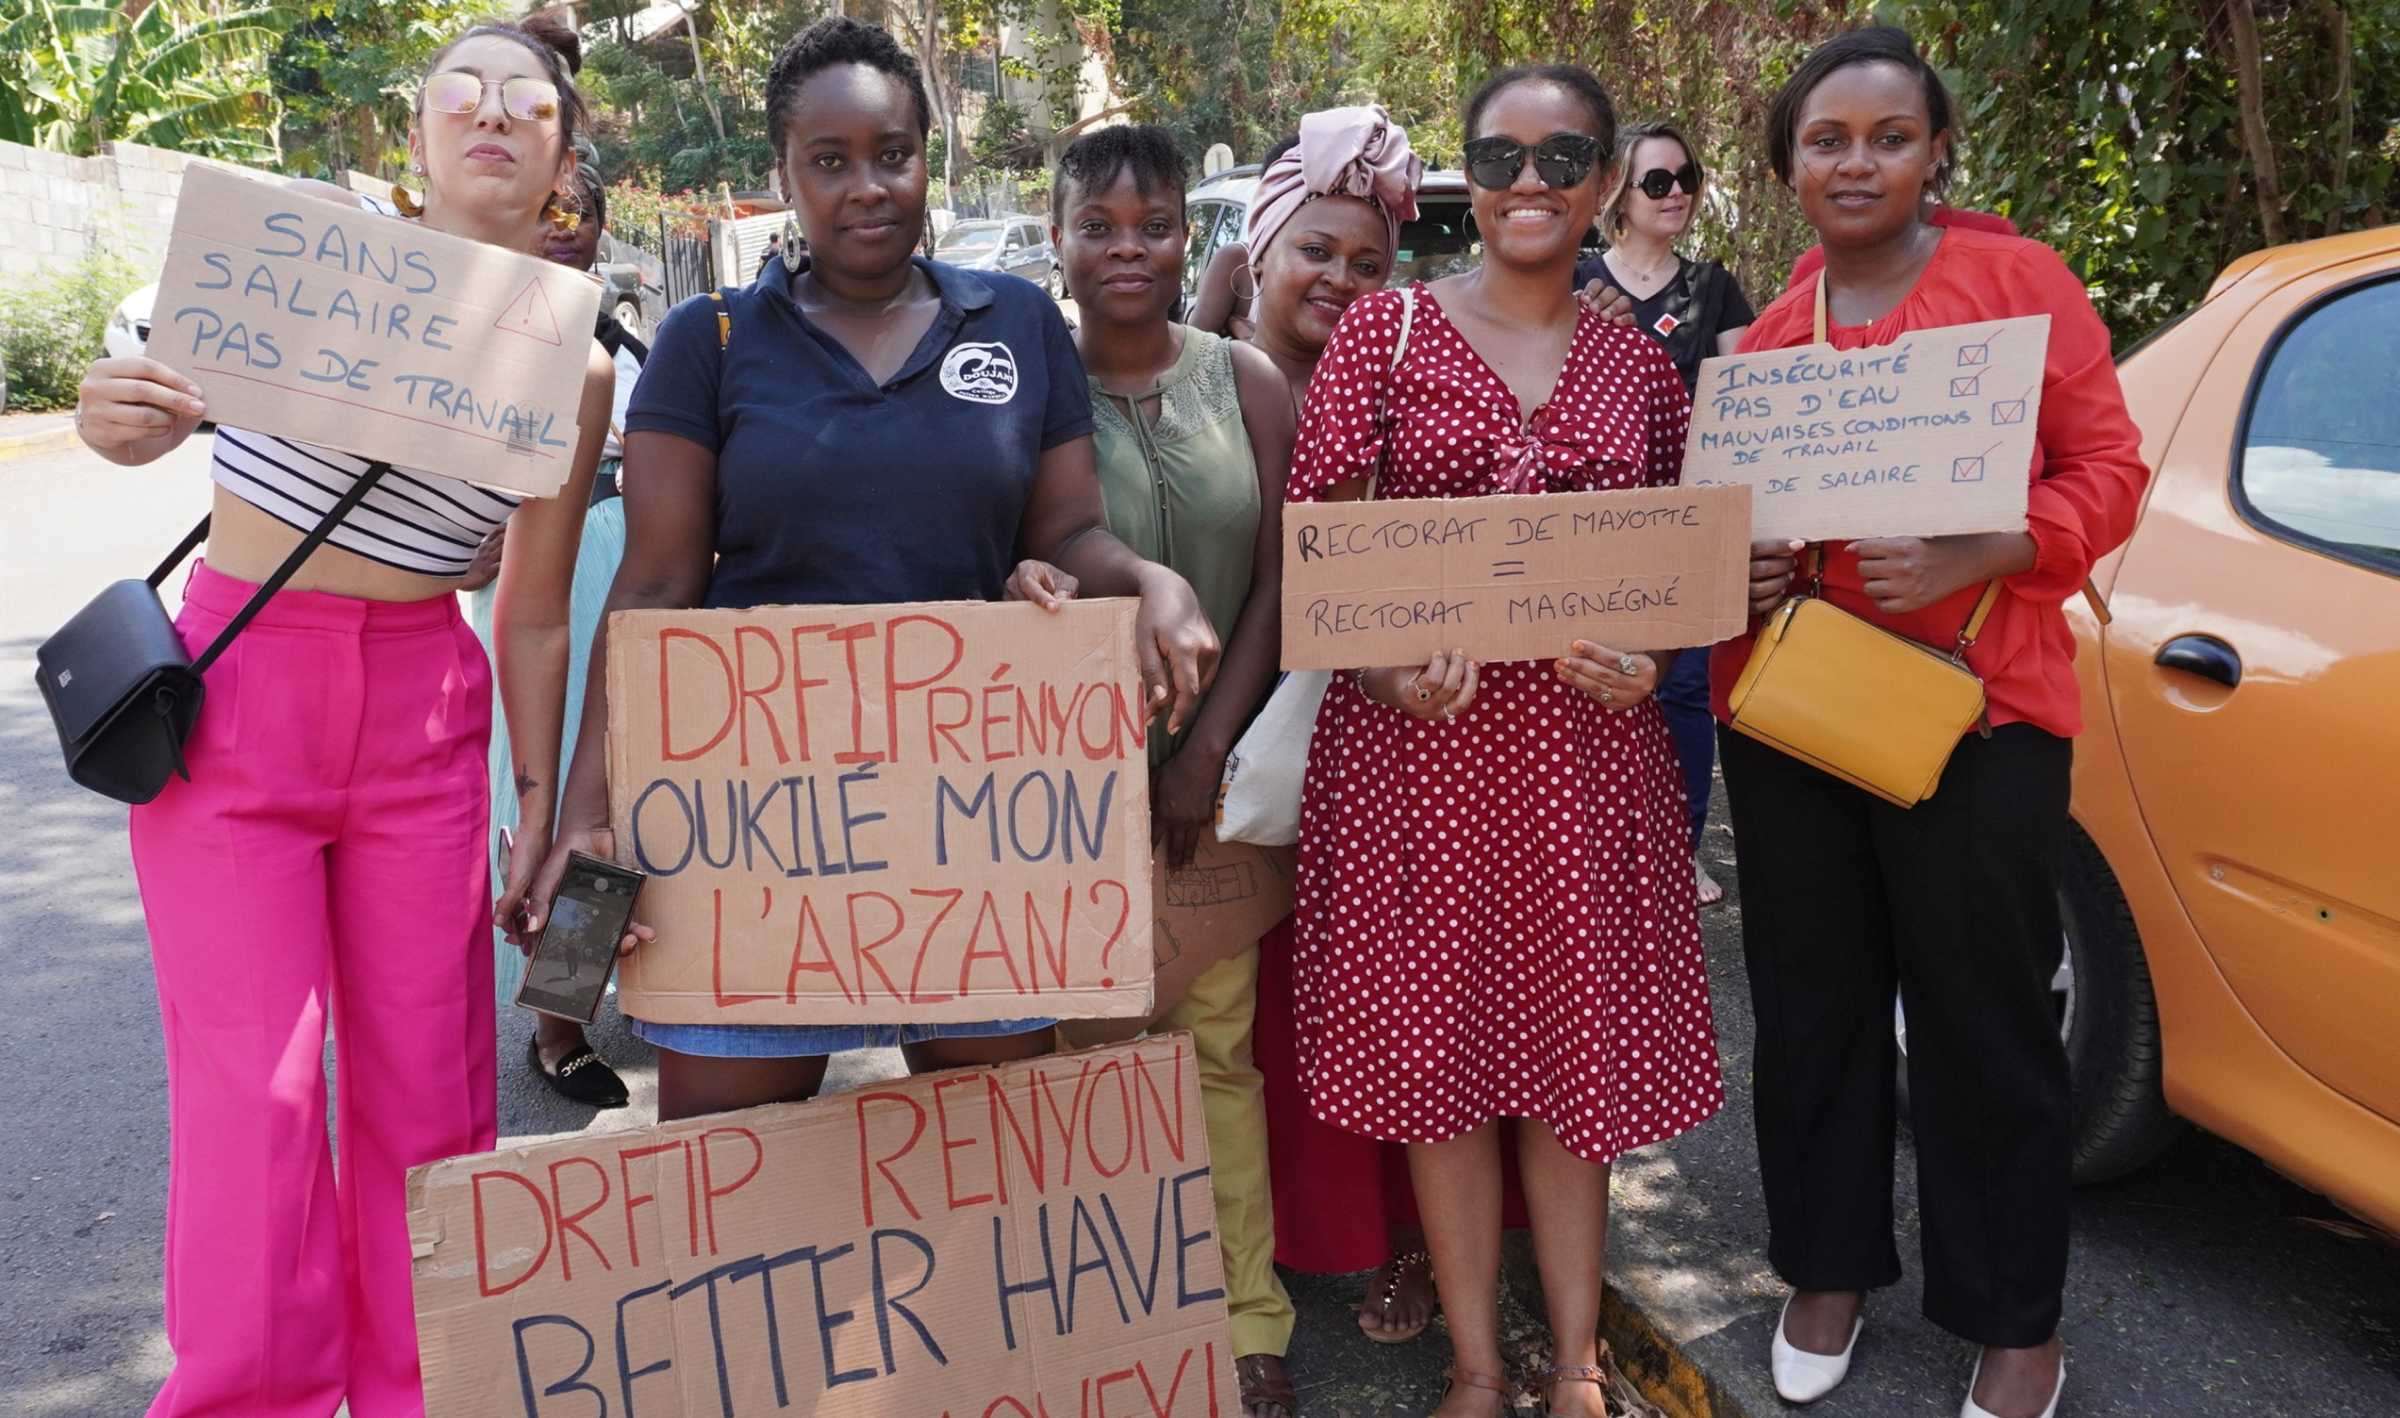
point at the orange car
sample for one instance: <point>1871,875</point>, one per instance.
<point>2233,896</point>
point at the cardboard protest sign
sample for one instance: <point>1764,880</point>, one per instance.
<point>883,814</point>
<point>1924,437</point>
<point>1512,577</point>
<point>1208,912</point>
<point>339,326</point>
<point>1036,1238</point>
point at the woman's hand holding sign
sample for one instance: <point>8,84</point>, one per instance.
<point>1903,574</point>
<point>131,410</point>
<point>1618,680</point>
<point>1441,690</point>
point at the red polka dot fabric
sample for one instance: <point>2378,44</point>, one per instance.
<point>1496,915</point>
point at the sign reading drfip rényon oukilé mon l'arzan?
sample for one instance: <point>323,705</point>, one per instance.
<point>306,318</point>
<point>883,814</point>
<point>1033,1239</point>
<point>1929,435</point>
<point>1518,577</point>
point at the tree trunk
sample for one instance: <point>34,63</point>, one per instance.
<point>691,32</point>
<point>2345,106</point>
<point>2244,17</point>
<point>945,112</point>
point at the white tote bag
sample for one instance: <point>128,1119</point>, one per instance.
<point>1258,800</point>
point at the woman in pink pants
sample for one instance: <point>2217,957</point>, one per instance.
<point>325,862</point>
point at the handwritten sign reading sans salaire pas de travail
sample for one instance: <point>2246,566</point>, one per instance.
<point>1517,577</point>
<point>1037,1238</point>
<point>883,814</point>
<point>306,318</point>
<point>1929,435</point>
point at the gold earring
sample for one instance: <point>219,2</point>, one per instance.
<point>405,203</point>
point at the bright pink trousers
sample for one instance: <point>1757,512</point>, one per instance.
<point>325,864</point>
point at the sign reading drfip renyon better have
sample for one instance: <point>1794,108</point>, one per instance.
<point>1517,577</point>
<point>1929,435</point>
<point>1034,1239</point>
<point>342,327</point>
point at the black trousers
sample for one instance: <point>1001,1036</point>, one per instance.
<point>1954,903</point>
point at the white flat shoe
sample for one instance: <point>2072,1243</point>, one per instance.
<point>1802,1377</point>
<point>1977,1410</point>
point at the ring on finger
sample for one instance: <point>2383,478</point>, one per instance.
<point>1626,666</point>
<point>1608,696</point>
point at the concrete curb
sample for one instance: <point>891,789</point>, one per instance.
<point>1658,1366</point>
<point>30,445</point>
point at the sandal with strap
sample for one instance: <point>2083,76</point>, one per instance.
<point>1266,1384</point>
<point>1489,1383</point>
<point>1617,1393</point>
<point>1397,1271</point>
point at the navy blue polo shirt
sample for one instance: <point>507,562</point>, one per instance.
<point>833,490</point>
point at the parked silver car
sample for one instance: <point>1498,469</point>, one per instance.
<point>1440,241</point>
<point>1015,244</point>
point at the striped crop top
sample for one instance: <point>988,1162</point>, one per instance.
<point>415,521</point>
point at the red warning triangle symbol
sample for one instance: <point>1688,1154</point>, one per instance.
<point>529,315</point>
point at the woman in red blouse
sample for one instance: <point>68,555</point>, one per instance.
<point>1953,902</point>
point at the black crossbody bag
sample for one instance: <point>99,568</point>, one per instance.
<point>123,693</point>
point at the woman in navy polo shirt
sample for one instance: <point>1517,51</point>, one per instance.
<point>872,427</point>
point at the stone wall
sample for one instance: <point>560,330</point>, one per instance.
<point>55,208</point>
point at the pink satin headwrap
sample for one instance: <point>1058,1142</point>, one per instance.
<point>1343,152</point>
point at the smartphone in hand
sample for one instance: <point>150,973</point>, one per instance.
<point>577,952</point>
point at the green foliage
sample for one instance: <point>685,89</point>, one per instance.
<point>1005,137</point>
<point>2111,130</point>
<point>348,74</point>
<point>174,75</point>
<point>51,327</point>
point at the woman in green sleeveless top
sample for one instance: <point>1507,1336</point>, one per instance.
<point>1194,435</point>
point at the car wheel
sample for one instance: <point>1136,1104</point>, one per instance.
<point>2108,1019</point>
<point>629,315</point>
<point>1055,283</point>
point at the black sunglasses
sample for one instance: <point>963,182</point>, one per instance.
<point>1562,160</point>
<point>1657,181</point>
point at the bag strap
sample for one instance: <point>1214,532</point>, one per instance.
<point>1408,317</point>
<point>724,322</point>
<point>284,573</point>
<point>1974,627</point>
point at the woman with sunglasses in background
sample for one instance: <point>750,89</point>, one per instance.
<point>558,1051</point>
<point>1696,309</point>
<point>1954,902</point>
<point>1494,913</point>
<point>326,857</point>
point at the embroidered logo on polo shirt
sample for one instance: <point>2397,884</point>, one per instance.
<point>980,373</point>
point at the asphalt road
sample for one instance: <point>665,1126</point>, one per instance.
<point>2204,1286</point>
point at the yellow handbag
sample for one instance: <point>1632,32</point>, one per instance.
<point>1878,711</point>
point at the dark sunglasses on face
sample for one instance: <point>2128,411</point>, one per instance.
<point>1561,160</point>
<point>1657,181</point>
<point>528,100</point>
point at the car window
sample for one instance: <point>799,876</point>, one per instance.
<point>1204,216</point>
<point>1440,242</point>
<point>2320,457</point>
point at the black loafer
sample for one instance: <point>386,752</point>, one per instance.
<point>581,1077</point>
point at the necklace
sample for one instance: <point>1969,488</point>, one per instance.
<point>1638,276</point>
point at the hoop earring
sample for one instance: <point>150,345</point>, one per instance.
<point>791,242</point>
<point>1247,268</point>
<point>404,201</point>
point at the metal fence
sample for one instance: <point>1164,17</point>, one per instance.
<point>688,267</point>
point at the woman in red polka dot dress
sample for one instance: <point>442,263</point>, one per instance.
<point>1496,912</point>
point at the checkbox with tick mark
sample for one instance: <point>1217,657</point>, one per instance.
<point>2007,411</point>
<point>1967,470</point>
<point>1966,386</point>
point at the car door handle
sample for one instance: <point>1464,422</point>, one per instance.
<point>2202,655</point>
